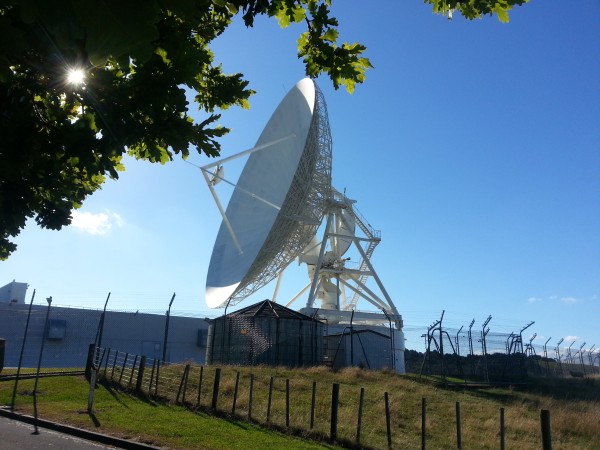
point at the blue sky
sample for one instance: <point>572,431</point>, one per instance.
<point>473,146</point>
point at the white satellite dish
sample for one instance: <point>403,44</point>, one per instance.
<point>277,203</point>
<point>274,214</point>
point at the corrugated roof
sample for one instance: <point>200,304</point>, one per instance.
<point>267,308</point>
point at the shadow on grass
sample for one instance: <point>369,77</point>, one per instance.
<point>579,389</point>
<point>117,392</point>
<point>238,421</point>
<point>116,395</point>
<point>583,389</point>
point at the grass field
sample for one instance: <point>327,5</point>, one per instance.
<point>574,405</point>
<point>64,400</point>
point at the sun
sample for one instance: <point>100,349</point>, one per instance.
<point>75,76</point>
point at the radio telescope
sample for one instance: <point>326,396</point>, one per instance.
<point>274,215</point>
<point>276,205</point>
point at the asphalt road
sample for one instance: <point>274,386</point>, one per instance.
<point>15,435</point>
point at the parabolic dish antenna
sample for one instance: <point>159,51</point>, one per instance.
<point>277,204</point>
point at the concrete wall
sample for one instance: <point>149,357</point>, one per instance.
<point>71,330</point>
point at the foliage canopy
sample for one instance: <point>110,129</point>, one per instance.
<point>61,136</point>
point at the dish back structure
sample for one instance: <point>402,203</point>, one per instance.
<point>277,204</point>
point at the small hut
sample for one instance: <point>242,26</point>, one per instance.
<point>265,333</point>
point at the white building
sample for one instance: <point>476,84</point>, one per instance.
<point>70,331</point>
<point>13,292</point>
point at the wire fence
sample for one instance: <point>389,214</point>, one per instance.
<point>482,355</point>
<point>57,339</point>
<point>346,414</point>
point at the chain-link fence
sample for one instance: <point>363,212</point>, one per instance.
<point>482,355</point>
<point>57,338</point>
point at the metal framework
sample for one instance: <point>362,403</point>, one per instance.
<point>331,265</point>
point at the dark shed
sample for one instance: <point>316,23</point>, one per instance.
<point>265,333</point>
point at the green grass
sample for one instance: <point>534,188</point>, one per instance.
<point>574,405</point>
<point>64,399</point>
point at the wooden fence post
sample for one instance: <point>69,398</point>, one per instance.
<point>182,383</point>
<point>140,375</point>
<point>388,421</point>
<point>132,371</point>
<point>287,402</point>
<point>335,397</point>
<point>106,362</point>
<point>157,378</point>
<point>215,397</point>
<point>235,392</point>
<point>151,377</point>
<point>99,362</point>
<point>114,364</point>
<point>123,366</point>
<point>269,400</point>
<point>502,443</point>
<point>546,434</point>
<point>312,405</point>
<point>423,423</point>
<point>360,412</point>
<point>186,374</point>
<point>458,428</point>
<point>250,397</point>
<point>200,386</point>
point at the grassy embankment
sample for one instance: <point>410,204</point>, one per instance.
<point>574,406</point>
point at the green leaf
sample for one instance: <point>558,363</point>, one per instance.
<point>163,55</point>
<point>502,14</point>
<point>331,35</point>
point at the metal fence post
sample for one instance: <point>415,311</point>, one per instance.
<point>14,393</point>
<point>37,374</point>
